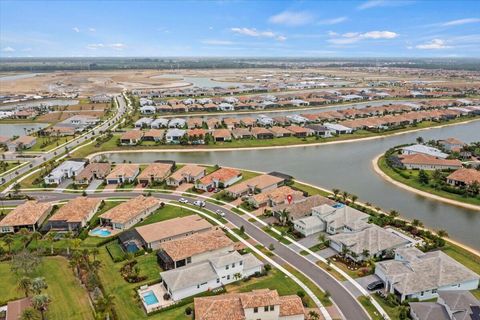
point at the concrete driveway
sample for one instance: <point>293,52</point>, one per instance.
<point>93,186</point>
<point>363,281</point>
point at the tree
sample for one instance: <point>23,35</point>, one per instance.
<point>442,233</point>
<point>313,315</point>
<point>419,140</point>
<point>345,196</point>
<point>417,223</point>
<point>473,189</point>
<point>335,193</point>
<point>8,239</point>
<point>106,304</point>
<point>25,236</point>
<point>40,302</point>
<point>25,262</point>
<point>38,284</point>
<point>323,239</point>
<point>29,314</point>
<point>25,285</point>
<point>423,177</point>
<point>353,198</point>
<point>95,252</point>
<point>284,216</point>
<point>393,213</point>
<point>35,236</point>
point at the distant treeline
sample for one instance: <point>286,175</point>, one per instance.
<point>59,64</point>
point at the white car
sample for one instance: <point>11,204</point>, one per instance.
<point>199,203</point>
<point>183,200</point>
<point>220,213</point>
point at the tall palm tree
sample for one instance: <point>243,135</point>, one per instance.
<point>345,196</point>
<point>25,284</point>
<point>29,314</point>
<point>25,236</point>
<point>8,239</point>
<point>95,253</point>
<point>35,236</point>
<point>393,213</point>
<point>335,193</point>
<point>40,303</point>
<point>353,198</point>
<point>284,216</point>
<point>39,284</point>
<point>442,233</point>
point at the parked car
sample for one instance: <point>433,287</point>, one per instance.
<point>199,203</point>
<point>375,285</point>
<point>183,200</point>
<point>220,213</point>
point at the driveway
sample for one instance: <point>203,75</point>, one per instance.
<point>309,241</point>
<point>93,186</point>
<point>65,183</point>
<point>363,281</point>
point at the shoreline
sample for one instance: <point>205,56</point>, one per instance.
<point>386,177</point>
<point>316,144</point>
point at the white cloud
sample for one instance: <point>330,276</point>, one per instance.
<point>252,32</point>
<point>115,46</point>
<point>382,3</point>
<point>8,49</point>
<point>94,46</point>
<point>291,18</point>
<point>352,37</point>
<point>217,42</point>
<point>333,21</point>
<point>76,29</point>
<point>434,44</point>
<point>92,29</point>
<point>460,22</point>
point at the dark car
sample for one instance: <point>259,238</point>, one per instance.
<point>375,285</point>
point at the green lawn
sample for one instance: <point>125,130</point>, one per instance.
<point>466,258</point>
<point>166,213</point>
<point>414,183</point>
<point>8,165</point>
<point>312,286</point>
<point>69,299</point>
<point>368,305</point>
<point>47,143</point>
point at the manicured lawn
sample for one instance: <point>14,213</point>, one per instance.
<point>310,190</point>
<point>8,165</point>
<point>116,251</point>
<point>166,213</point>
<point>414,183</point>
<point>372,311</point>
<point>466,258</point>
<point>47,143</point>
<point>69,299</point>
<point>312,286</point>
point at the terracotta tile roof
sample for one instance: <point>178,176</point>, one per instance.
<point>156,171</point>
<point>426,159</point>
<point>277,195</point>
<point>132,135</point>
<point>290,306</point>
<point>259,182</point>
<point>196,132</point>
<point>126,211</point>
<point>280,130</point>
<point>196,243</point>
<point>155,133</point>
<point>189,169</point>
<point>76,210</point>
<point>222,175</point>
<point>303,207</point>
<point>297,129</point>
<point>260,298</point>
<point>172,227</point>
<point>27,213</point>
<point>123,169</point>
<point>102,169</point>
<point>467,176</point>
<point>260,130</point>
<point>221,133</point>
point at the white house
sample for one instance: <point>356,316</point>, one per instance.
<point>265,121</point>
<point>177,123</point>
<point>174,135</point>
<point>143,122</point>
<point>295,118</point>
<point>423,149</point>
<point>148,109</point>
<point>415,274</point>
<point>338,128</point>
<point>67,169</point>
<point>159,123</point>
<point>225,107</point>
<point>213,273</point>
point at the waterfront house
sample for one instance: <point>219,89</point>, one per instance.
<point>463,177</point>
<point>94,170</point>
<point>196,135</point>
<point>261,304</point>
<point>300,208</point>
<point>22,142</point>
<point>221,135</point>
<point>261,133</point>
<point>177,123</point>
<point>123,173</point>
<point>129,213</point>
<point>321,131</point>
<point>452,144</point>
<point>155,172</point>
<point>425,162</point>
<point>131,137</point>
<point>423,149</point>
<point>67,169</point>
<point>29,215</point>
<point>300,132</point>
<point>221,178</point>
<point>159,123</point>
<point>148,109</point>
<point>75,214</point>
<point>241,133</point>
<point>263,120</point>
<point>280,132</point>
<point>174,135</point>
<point>155,135</point>
<point>274,197</point>
<point>258,184</point>
<point>338,128</point>
<point>414,274</point>
<point>188,173</point>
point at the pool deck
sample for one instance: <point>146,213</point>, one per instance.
<point>112,232</point>
<point>159,291</point>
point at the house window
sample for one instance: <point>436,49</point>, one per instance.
<point>218,280</point>
<point>255,310</point>
<point>233,265</point>
<point>198,286</point>
<point>241,262</point>
<point>189,260</point>
<point>227,267</point>
<point>265,308</point>
<point>434,290</point>
<point>421,293</point>
<point>228,277</point>
<point>272,307</point>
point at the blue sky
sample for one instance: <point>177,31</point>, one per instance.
<point>374,28</point>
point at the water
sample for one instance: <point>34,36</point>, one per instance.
<point>101,232</point>
<point>150,298</point>
<point>348,167</point>
<point>39,103</point>
<point>20,129</point>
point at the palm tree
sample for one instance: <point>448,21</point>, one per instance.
<point>25,284</point>
<point>417,223</point>
<point>284,216</point>
<point>366,253</point>
<point>8,239</point>
<point>35,236</point>
<point>38,284</point>
<point>442,233</point>
<point>49,237</point>
<point>24,233</point>
<point>106,305</point>
<point>29,314</point>
<point>40,303</point>
<point>95,252</point>
<point>345,196</point>
<point>353,198</point>
<point>393,213</point>
<point>313,315</point>
<point>335,193</point>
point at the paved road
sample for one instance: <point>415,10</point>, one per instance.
<point>346,303</point>
<point>39,160</point>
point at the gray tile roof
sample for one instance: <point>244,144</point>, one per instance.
<point>429,311</point>
<point>189,275</point>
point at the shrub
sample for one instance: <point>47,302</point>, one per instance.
<point>188,310</point>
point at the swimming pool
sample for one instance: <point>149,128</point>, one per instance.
<point>149,297</point>
<point>338,205</point>
<point>101,232</point>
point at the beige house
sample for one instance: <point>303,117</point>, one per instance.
<point>75,214</point>
<point>155,172</point>
<point>29,215</point>
<point>258,184</point>
<point>123,173</point>
<point>127,214</point>
<point>94,170</point>
<point>188,173</point>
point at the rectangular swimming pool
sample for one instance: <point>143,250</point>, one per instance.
<point>149,297</point>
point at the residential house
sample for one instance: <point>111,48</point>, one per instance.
<point>94,170</point>
<point>174,135</point>
<point>263,120</point>
<point>248,122</point>
<point>155,172</point>
<point>300,132</point>
<point>188,173</point>
<point>148,109</point>
<point>423,149</point>
<point>15,308</point>
<point>450,305</point>
<point>75,214</point>
<point>67,169</point>
<point>159,123</point>
<point>295,118</point>
<point>210,274</point>
<point>194,248</point>
<point>300,208</point>
<point>321,131</point>
<point>129,213</point>
<point>274,197</point>
<point>131,137</point>
<point>153,135</point>
<point>261,133</point>
<point>463,177</point>
<point>421,161</point>
<point>196,136</point>
<point>177,123</point>
<point>226,107</point>
<point>221,135</point>
<point>194,123</point>
<point>152,236</point>
<point>338,128</point>
<point>452,144</point>
<point>123,173</point>
<point>262,304</point>
<point>241,133</point>
<point>22,142</point>
<point>258,184</point>
<point>280,132</point>
<point>101,98</point>
<point>221,178</point>
<point>29,215</point>
<point>143,123</point>
<point>414,274</point>
<point>371,241</point>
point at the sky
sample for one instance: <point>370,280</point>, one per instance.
<point>371,28</point>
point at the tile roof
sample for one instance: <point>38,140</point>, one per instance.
<point>15,308</point>
<point>196,243</point>
<point>277,195</point>
<point>303,207</point>
<point>222,175</point>
<point>102,169</point>
<point>172,227</point>
<point>424,159</point>
<point>290,306</point>
<point>123,169</point>
<point>126,211</point>
<point>27,213</point>
<point>260,182</point>
<point>155,170</point>
<point>221,133</point>
<point>189,169</point>
<point>132,135</point>
<point>467,176</point>
<point>25,140</point>
<point>76,210</point>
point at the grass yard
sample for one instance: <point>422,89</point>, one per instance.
<point>69,299</point>
<point>368,305</point>
<point>414,183</point>
<point>47,143</point>
<point>166,213</point>
<point>9,165</point>
<point>310,190</point>
<point>466,258</point>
